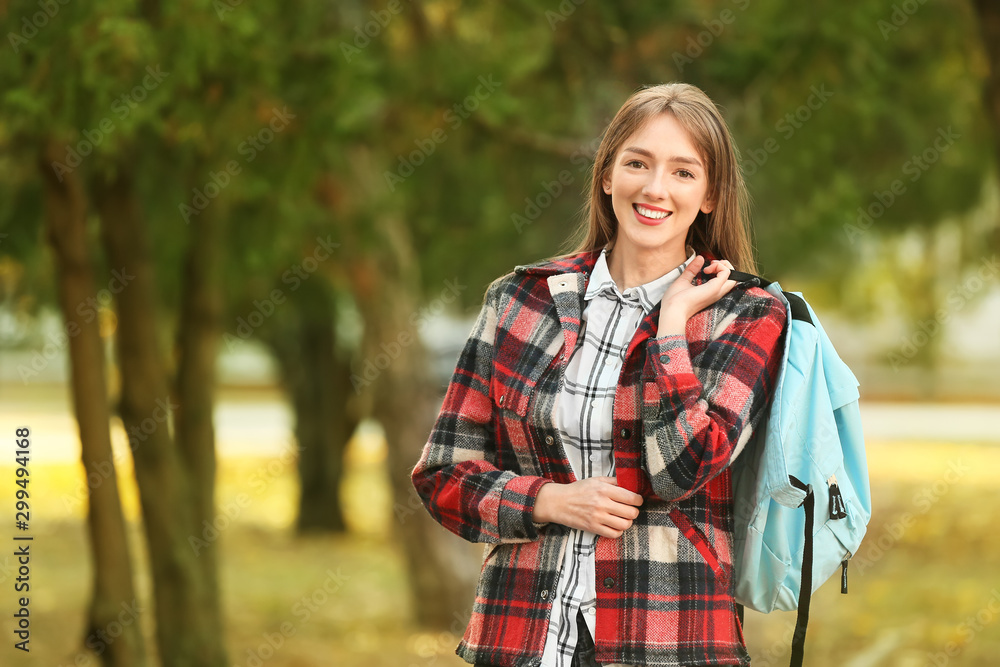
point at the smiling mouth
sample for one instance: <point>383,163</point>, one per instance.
<point>650,216</point>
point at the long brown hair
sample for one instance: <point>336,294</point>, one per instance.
<point>724,232</point>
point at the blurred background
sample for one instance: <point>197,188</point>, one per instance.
<point>242,243</point>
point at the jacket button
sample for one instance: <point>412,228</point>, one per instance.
<point>545,594</point>
<point>549,440</point>
<point>609,582</point>
<point>501,399</point>
<point>626,433</point>
<point>664,358</point>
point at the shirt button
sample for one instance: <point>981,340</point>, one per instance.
<point>626,433</point>
<point>545,594</point>
<point>593,403</point>
<point>609,582</point>
<point>592,611</point>
<point>548,440</point>
<point>593,457</point>
<point>503,397</point>
<point>664,358</point>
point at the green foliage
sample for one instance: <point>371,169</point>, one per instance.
<point>387,121</point>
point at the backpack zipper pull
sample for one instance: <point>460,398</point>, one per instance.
<point>843,575</point>
<point>837,508</point>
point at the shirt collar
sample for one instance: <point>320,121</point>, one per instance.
<point>647,295</point>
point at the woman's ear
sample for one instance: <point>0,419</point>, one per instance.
<point>707,206</point>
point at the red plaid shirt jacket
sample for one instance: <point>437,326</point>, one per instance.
<point>684,408</point>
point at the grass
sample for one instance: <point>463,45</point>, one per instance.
<point>932,562</point>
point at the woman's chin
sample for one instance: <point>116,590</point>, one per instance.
<point>650,238</point>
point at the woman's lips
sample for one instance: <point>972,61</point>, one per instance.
<point>649,221</point>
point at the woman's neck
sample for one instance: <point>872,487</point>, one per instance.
<point>630,266</point>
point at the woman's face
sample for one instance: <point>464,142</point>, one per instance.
<point>658,183</point>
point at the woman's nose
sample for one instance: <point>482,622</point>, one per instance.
<point>655,187</point>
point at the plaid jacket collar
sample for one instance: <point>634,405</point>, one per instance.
<point>567,278</point>
<point>646,295</point>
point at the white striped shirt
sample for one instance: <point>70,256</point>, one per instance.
<point>583,417</point>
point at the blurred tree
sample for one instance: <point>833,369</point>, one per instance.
<point>66,213</point>
<point>67,90</point>
<point>285,280</point>
<point>317,379</point>
<point>187,620</point>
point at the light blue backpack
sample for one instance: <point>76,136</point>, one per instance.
<point>800,488</point>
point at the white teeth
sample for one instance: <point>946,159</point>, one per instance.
<point>649,213</point>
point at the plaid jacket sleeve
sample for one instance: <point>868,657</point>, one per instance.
<point>456,476</point>
<point>699,412</point>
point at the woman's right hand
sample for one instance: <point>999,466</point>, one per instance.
<point>595,504</point>
<point>683,299</point>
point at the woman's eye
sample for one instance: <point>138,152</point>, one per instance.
<point>631,162</point>
<point>685,171</point>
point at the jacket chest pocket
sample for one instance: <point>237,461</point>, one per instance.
<point>523,353</point>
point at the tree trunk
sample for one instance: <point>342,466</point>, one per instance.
<point>114,591</point>
<point>442,567</point>
<point>198,334</point>
<point>318,384</point>
<point>187,635</point>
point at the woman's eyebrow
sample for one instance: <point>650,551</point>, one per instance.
<point>673,158</point>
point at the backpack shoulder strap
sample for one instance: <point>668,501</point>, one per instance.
<point>796,303</point>
<point>744,277</point>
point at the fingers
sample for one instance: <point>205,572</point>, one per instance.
<point>721,268</point>
<point>607,531</point>
<point>625,497</point>
<point>695,265</point>
<point>618,494</point>
<point>718,265</point>
<point>613,522</point>
<point>613,511</point>
<point>614,526</point>
<point>687,277</point>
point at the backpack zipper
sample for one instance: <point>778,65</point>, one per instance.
<point>843,574</point>
<point>838,510</point>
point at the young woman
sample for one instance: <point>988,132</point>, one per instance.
<point>588,429</point>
